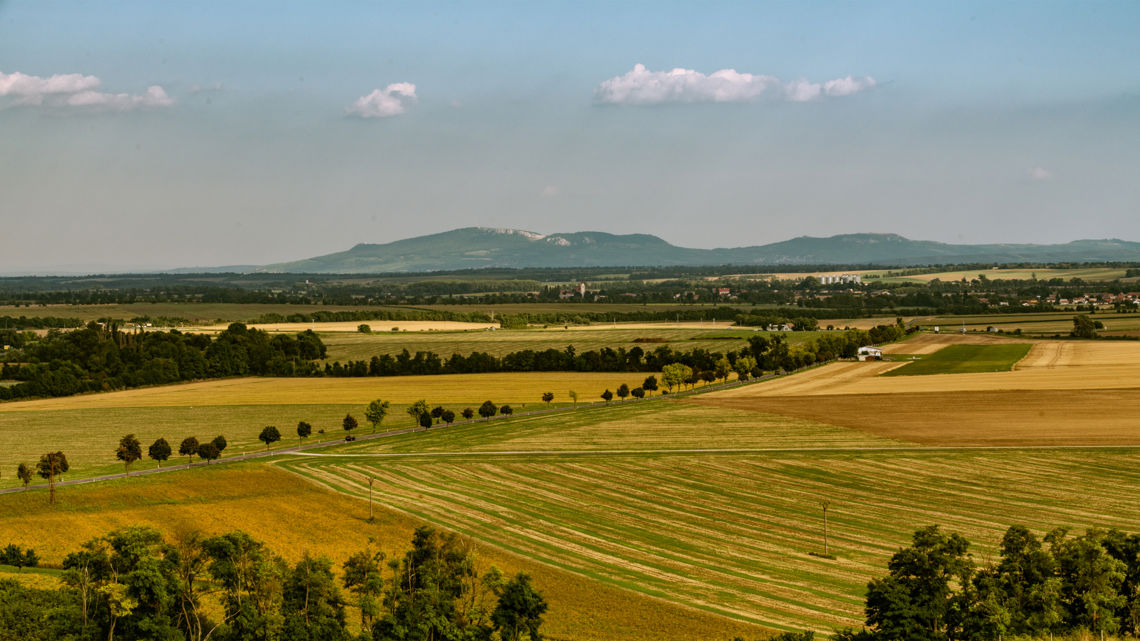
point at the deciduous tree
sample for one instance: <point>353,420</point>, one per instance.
<point>304,430</point>
<point>488,409</point>
<point>208,452</point>
<point>189,448</point>
<point>159,451</point>
<point>375,413</point>
<point>24,473</point>
<point>269,435</point>
<point>129,451</point>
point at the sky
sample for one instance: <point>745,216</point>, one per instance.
<point>141,134</point>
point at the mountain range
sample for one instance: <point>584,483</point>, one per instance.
<point>481,247</point>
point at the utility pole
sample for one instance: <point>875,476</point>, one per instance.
<point>370,482</point>
<point>826,503</point>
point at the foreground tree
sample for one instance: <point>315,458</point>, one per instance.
<point>129,451</point>
<point>375,413</point>
<point>189,448</point>
<point>363,579</point>
<point>24,473</point>
<point>519,611</point>
<point>52,465</point>
<point>304,430</point>
<point>311,603</point>
<point>159,451</point>
<point>269,435</point>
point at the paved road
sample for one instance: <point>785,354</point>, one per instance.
<point>296,449</point>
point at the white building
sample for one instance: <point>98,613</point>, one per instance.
<point>869,354</point>
<point>841,279</point>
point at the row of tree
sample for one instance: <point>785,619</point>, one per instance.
<point>100,358</point>
<point>133,584</point>
<point>934,590</point>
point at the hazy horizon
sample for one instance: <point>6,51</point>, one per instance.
<point>164,136</point>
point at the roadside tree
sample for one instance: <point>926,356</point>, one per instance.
<point>159,451</point>
<point>375,413</point>
<point>269,435</point>
<point>189,448</point>
<point>129,451</point>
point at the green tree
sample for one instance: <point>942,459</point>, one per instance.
<point>744,366</point>
<point>468,413</point>
<point>518,614</point>
<point>607,396</point>
<point>637,392</point>
<point>1090,580</point>
<point>448,417</point>
<point>488,409</point>
<point>269,435</point>
<point>623,391</point>
<point>159,451</point>
<point>129,451</point>
<point>50,466</point>
<point>312,604</point>
<point>1083,326</point>
<point>425,420</point>
<point>304,431</point>
<point>220,443</point>
<point>349,423</point>
<point>364,329</point>
<point>675,374</point>
<point>722,368</point>
<point>24,473</point>
<point>506,410</point>
<point>649,384</point>
<point>547,397</point>
<point>250,579</point>
<point>914,599</point>
<point>189,448</point>
<point>418,409</point>
<point>573,396</point>
<point>362,577</point>
<point>208,452</point>
<point>375,413</point>
<point>437,412</point>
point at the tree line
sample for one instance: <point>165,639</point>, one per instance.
<point>102,358</point>
<point>1064,583</point>
<point>133,584</point>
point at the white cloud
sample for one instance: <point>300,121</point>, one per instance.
<point>75,91</point>
<point>1040,173</point>
<point>644,87</point>
<point>392,100</point>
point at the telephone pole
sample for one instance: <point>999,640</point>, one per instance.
<point>370,482</point>
<point>826,503</point>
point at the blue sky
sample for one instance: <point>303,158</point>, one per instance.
<point>235,133</point>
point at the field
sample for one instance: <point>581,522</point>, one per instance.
<point>293,517</point>
<point>674,519</point>
<point>689,336</point>
<point>1045,324</point>
<point>965,359</point>
<point>194,312</point>
<point>88,427</point>
<point>1044,273</point>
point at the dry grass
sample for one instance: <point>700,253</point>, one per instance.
<point>293,517</point>
<point>523,387</point>
<point>351,326</point>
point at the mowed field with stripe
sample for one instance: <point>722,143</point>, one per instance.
<point>713,502</point>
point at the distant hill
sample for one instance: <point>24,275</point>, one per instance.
<point>474,247</point>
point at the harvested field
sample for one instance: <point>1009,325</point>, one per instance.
<point>294,517</point>
<point>974,418</point>
<point>927,343</point>
<point>380,326</point>
<point>731,534</point>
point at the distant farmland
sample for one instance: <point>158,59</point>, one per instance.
<point>965,359</point>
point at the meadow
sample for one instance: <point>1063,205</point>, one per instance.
<point>965,359</point>
<point>1044,324</point>
<point>88,427</point>
<point>1043,273</point>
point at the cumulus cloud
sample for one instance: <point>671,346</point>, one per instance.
<point>392,100</point>
<point>75,91</point>
<point>644,87</point>
<point>1040,173</point>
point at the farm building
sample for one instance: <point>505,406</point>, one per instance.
<point>869,354</point>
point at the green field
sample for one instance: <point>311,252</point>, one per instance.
<point>1048,323</point>
<point>964,359</point>
<point>195,312</point>
<point>683,504</point>
<point>719,338</point>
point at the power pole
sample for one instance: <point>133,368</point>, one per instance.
<point>826,503</point>
<point>370,482</point>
